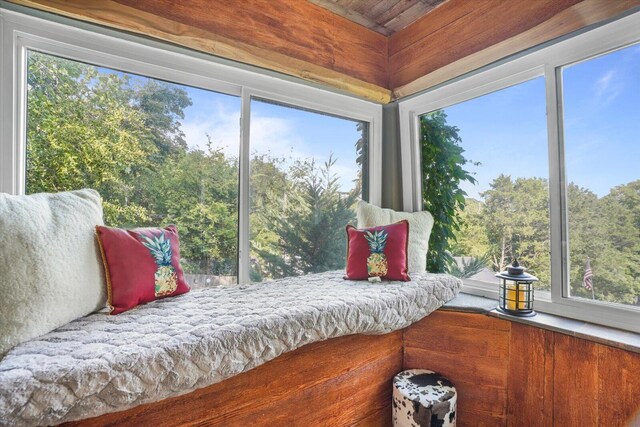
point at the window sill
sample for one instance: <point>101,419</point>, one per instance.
<point>613,337</point>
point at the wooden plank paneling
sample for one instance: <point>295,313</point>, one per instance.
<point>443,45</point>
<point>383,16</point>
<point>411,57</point>
<point>335,382</point>
<point>297,29</point>
<point>619,387</point>
<point>530,391</point>
<point>295,38</point>
<point>472,350</point>
<point>575,380</point>
<point>512,374</point>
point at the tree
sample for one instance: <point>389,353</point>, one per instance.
<point>472,240</point>
<point>443,172</point>
<point>308,222</point>
<point>163,107</point>
<point>516,217</point>
<point>605,231</point>
<point>362,159</point>
<point>198,191</point>
<point>83,131</point>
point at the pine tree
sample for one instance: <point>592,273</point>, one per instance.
<point>309,224</point>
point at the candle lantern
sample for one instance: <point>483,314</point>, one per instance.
<point>515,294</point>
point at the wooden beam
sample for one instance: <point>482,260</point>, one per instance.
<point>580,15</point>
<point>119,16</point>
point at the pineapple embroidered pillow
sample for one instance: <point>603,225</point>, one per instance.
<point>378,252</point>
<point>141,265</point>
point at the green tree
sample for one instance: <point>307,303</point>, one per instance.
<point>198,190</point>
<point>83,131</point>
<point>362,160</point>
<point>442,174</point>
<point>163,107</point>
<point>309,223</point>
<point>516,217</point>
<point>471,240</point>
<point>605,231</point>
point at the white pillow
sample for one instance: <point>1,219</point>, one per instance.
<point>50,269</point>
<point>420,224</point>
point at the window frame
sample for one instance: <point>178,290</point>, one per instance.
<point>20,32</point>
<point>546,61</point>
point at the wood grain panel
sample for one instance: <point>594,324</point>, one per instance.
<point>530,391</point>
<point>619,387</point>
<point>472,350</point>
<point>382,418</point>
<point>337,382</point>
<point>413,73</point>
<point>297,29</point>
<point>575,382</point>
<point>468,33</point>
<point>318,46</point>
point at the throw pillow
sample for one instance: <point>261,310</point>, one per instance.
<point>420,224</point>
<point>378,252</point>
<point>50,271</point>
<point>141,265</point>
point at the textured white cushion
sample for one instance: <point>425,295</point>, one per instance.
<point>420,224</point>
<point>50,269</point>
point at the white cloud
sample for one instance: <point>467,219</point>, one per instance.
<point>608,87</point>
<point>276,136</point>
<point>222,125</point>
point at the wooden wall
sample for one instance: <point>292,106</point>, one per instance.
<point>298,29</point>
<point>461,36</point>
<point>516,375</point>
<point>459,28</point>
<point>294,37</point>
<point>301,39</point>
<point>340,382</point>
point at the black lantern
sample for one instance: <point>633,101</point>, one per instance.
<point>515,294</point>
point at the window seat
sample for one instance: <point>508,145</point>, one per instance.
<point>101,364</point>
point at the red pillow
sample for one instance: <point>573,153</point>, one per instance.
<point>378,251</point>
<point>141,265</point>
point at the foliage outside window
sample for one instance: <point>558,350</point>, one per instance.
<point>162,153</point>
<point>601,98</point>
<point>303,189</point>
<point>501,203</point>
<point>505,212</point>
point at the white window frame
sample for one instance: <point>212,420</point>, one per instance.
<point>545,62</point>
<point>20,32</point>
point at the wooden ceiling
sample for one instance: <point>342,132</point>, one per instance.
<point>384,16</point>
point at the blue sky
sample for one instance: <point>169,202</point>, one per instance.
<point>506,130</point>
<point>280,131</point>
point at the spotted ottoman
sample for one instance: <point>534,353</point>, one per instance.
<point>423,398</point>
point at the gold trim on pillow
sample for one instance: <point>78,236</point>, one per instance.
<point>106,270</point>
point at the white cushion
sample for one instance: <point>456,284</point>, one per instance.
<point>420,224</point>
<point>50,268</point>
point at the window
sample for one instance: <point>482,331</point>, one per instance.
<point>306,175</point>
<point>601,127</point>
<point>158,153</point>
<point>504,142</point>
<point>561,193</point>
<point>165,136</point>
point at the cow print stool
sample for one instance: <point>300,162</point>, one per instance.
<point>423,398</point>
